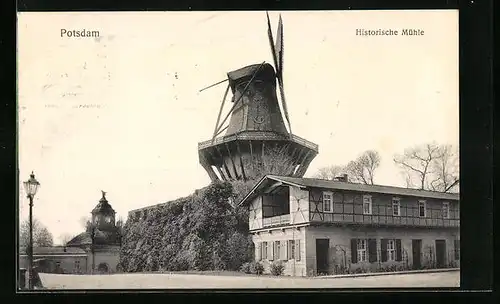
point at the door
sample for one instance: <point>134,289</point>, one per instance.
<point>417,253</point>
<point>322,246</point>
<point>440,253</point>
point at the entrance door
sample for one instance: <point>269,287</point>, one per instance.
<point>322,246</point>
<point>417,253</point>
<point>440,253</point>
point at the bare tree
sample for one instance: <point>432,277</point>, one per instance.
<point>329,172</point>
<point>362,169</point>
<point>86,223</point>
<point>274,160</point>
<point>430,167</point>
<point>65,238</point>
<point>41,235</point>
<point>446,170</point>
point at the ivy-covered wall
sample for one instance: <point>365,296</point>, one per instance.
<point>205,231</point>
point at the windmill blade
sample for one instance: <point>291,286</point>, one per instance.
<point>220,112</point>
<point>213,85</point>
<point>271,42</point>
<point>285,108</point>
<point>279,49</point>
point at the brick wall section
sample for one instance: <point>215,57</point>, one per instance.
<point>340,239</point>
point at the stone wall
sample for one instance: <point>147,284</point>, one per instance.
<point>59,263</point>
<point>109,256</point>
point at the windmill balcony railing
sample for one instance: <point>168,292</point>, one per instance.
<point>276,220</point>
<point>253,135</point>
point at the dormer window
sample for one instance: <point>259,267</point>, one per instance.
<point>446,210</point>
<point>327,201</point>
<point>396,207</point>
<point>422,209</point>
<point>367,204</point>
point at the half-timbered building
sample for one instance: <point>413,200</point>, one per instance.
<point>317,226</point>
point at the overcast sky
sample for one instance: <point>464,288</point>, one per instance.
<point>138,138</point>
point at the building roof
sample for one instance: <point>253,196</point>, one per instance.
<point>101,238</point>
<point>55,250</point>
<point>337,185</point>
<point>265,73</point>
<point>103,206</point>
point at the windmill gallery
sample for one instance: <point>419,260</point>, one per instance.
<point>314,226</point>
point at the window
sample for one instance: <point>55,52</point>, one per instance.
<point>396,207</point>
<point>77,265</point>
<point>327,202</point>
<point>277,249</point>
<point>391,250</point>
<point>291,249</point>
<point>367,204</point>
<point>446,210</point>
<point>264,250</point>
<point>421,208</point>
<point>361,250</point>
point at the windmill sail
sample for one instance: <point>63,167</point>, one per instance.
<point>279,50</point>
<point>271,41</point>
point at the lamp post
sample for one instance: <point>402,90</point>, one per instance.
<point>31,186</point>
<point>92,246</point>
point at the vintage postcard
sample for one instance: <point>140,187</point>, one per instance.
<point>238,149</point>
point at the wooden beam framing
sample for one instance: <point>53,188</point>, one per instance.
<point>204,162</point>
<point>251,149</point>
<point>241,161</point>
<point>221,173</point>
<point>305,164</point>
<point>297,174</point>
<point>299,156</point>
<point>224,163</point>
<point>232,161</point>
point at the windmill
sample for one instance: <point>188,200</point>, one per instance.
<point>256,130</point>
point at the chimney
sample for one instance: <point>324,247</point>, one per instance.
<point>343,178</point>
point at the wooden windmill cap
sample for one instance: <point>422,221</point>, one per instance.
<point>266,73</point>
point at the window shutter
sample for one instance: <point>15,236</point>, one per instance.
<point>372,250</point>
<point>398,251</point>
<point>457,249</point>
<point>354,251</point>
<point>383,250</point>
<point>259,251</point>
<point>264,250</point>
<point>279,252</point>
<point>286,245</point>
<point>271,252</point>
<point>297,250</point>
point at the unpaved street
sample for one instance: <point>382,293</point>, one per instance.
<point>166,281</point>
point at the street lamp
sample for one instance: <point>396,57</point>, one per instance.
<point>31,186</point>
